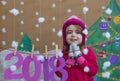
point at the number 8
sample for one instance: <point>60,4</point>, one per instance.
<point>60,68</point>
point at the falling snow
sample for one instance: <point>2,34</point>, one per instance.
<point>18,11</point>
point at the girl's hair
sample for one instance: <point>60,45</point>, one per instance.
<point>66,48</point>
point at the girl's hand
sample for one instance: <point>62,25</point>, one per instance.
<point>71,54</point>
<point>77,53</point>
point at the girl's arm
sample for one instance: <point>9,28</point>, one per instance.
<point>88,63</point>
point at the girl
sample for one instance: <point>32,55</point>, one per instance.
<point>81,63</point>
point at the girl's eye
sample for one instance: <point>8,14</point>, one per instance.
<point>78,32</point>
<point>68,32</point>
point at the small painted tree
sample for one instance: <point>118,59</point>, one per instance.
<point>25,44</point>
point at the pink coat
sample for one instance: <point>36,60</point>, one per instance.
<point>84,69</point>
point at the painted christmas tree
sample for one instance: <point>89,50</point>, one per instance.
<point>105,41</point>
<point>25,44</point>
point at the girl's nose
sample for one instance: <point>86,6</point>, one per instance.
<point>73,33</point>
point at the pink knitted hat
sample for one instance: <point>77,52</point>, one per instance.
<point>73,20</point>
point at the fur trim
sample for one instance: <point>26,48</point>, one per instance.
<point>85,31</point>
<point>86,69</point>
<point>85,51</point>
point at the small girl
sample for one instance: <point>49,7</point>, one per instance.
<point>81,63</point>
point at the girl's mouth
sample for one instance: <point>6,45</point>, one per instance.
<point>74,40</point>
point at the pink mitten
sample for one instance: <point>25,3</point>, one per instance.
<point>70,61</point>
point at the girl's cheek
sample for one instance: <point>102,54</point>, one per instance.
<point>67,38</point>
<point>80,39</point>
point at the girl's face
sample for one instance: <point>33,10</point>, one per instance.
<point>73,34</point>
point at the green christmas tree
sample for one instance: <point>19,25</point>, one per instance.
<point>25,44</point>
<point>105,41</point>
